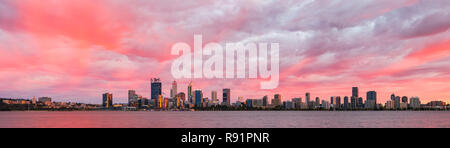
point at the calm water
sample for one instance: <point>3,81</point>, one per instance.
<point>224,119</point>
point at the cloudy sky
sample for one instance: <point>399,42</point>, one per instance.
<point>77,49</point>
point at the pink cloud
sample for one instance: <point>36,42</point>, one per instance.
<point>79,48</point>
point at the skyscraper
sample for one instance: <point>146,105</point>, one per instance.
<point>156,89</point>
<point>332,100</point>
<point>404,99</point>
<point>227,96</point>
<point>189,93</point>
<point>132,98</point>
<point>307,97</point>
<point>353,102</point>
<point>415,103</point>
<point>346,104</point>
<point>371,101</point>
<point>355,92</point>
<point>276,100</point>
<point>317,105</point>
<point>360,103</point>
<point>265,101</point>
<point>338,102</point>
<point>198,98</point>
<point>173,90</point>
<point>214,96</point>
<point>397,102</point>
<point>107,100</point>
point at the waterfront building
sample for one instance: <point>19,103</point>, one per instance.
<point>226,96</point>
<point>265,101</point>
<point>405,99</point>
<point>45,100</point>
<point>325,105</point>
<point>360,103</point>
<point>355,92</point>
<point>297,102</point>
<point>276,101</point>
<point>198,95</point>
<point>371,100</point>
<point>307,97</point>
<point>190,93</point>
<point>132,98</point>
<point>389,105</point>
<point>403,106</point>
<point>249,103</point>
<point>214,96</point>
<point>107,100</point>
<point>397,101</point>
<point>317,103</point>
<point>353,102</point>
<point>337,102</point>
<point>156,90</point>
<point>332,100</point>
<point>414,103</point>
<point>173,90</point>
<point>346,103</point>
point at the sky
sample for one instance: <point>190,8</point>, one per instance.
<point>75,50</point>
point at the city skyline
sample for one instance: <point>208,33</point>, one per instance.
<point>50,48</point>
<point>307,96</point>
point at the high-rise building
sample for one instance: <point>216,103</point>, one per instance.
<point>182,96</point>
<point>415,103</point>
<point>353,103</point>
<point>360,103</point>
<point>338,102</point>
<point>189,93</point>
<point>371,101</point>
<point>392,97</point>
<point>307,97</point>
<point>397,102</point>
<point>132,98</point>
<point>325,105</point>
<point>198,98</point>
<point>297,102</point>
<point>346,104</point>
<point>160,102</point>
<point>107,100</point>
<point>156,89</point>
<point>226,96</point>
<point>404,99</point>
<point>317,102</point>
<point>276,101</point>
<point>214,96</point>
<point>173,90</point>
<point>332,101</point>
<point>265,101</point>
<point>355,92</point>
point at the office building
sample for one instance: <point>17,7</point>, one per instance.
<point>190,93</point>
<point>156,90</point>
<point>371,101</point>
<point>307,97</point>
<point>132,98</point>
<point>226,96</point>
<point>214,96</point>
<point>198,95</point>
<point>276,101</point>
<point>414,103</point>
<point>355,92</point>
<point>107,100</point>
<point>173,90</point>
